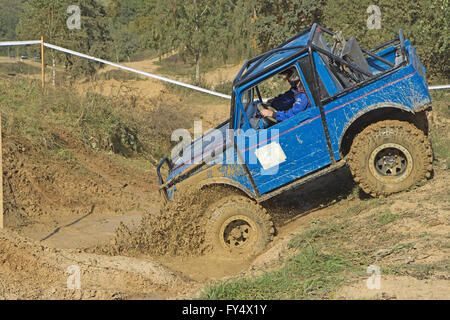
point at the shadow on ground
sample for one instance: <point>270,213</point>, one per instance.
<point>313,195</point>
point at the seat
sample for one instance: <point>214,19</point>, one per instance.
<point>353,54</point>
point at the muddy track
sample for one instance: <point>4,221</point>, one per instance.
<point>153,240</point>
<point>171,273</point>
<point>104,216</point>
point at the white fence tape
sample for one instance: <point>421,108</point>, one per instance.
<point>446,86</point>
<point>178,83</point>
<point>19,43</point>
<point>51,46</point>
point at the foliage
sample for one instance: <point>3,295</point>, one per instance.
<point>9,17</point>
<point>278,20</point>
<point>210,32</point>
<point>122,16</point>
<point>425,24</point>
<point>49,19</point>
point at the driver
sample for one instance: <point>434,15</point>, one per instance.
<point>290,103</point>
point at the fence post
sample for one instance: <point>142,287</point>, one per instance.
<point>1,176</point>
<point>42,62</point>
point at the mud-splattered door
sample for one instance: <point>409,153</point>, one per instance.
<point>286,151</point>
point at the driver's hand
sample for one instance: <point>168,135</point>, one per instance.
<point>267,113</point>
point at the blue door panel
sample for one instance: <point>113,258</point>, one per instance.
<point>301,138</point>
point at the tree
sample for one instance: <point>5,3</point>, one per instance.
<point>193,28</point>
<point>123,16</point>
<point>49,19</point>
<point>124,12</point>
<point>425,24</point>
<point>277,20</point>
<point>9,17</point>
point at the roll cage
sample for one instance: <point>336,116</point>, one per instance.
<point>249,71</point>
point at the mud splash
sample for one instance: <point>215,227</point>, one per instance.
<point>178,229</point>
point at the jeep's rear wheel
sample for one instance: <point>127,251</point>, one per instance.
<point>238,225</point>
<point>390,156</point>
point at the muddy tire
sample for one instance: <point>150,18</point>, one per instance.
<point>238,226</point>
<point>390,156</point>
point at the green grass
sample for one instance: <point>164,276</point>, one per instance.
<point>386,218</point>
<point>18,68</point>
<point>99,122</point>
<point>225,87</point>
<point>314,270</point>
<point>308,274</point>
<point>321,259</point>
<point>363,205</point>
<point>327,255</point>
<point>441,147</point>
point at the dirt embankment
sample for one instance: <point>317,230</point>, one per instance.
<point>37,186</point>
<point>29,270</point>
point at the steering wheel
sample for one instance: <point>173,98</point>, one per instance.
<point>263,106</point>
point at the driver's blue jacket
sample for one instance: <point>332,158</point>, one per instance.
<point>301,104</point>
<point>284,101</point>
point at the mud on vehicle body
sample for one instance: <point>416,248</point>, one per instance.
<point>368,111</point>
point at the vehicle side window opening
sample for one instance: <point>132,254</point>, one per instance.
<point>270,88</point>
<point>331,84</point>
<point>308,79</point>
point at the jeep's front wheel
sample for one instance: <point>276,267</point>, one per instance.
<point>390,156</point>
<point>238,225</point>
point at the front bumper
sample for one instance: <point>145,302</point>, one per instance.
<point>163,189</point>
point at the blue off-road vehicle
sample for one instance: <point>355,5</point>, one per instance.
<point>367,110</point>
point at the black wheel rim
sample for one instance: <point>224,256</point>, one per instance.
<point>237,234</point>
<point>390,162</point>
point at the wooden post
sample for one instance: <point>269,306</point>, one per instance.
<point>1,176</point>
<point>42,62</point>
